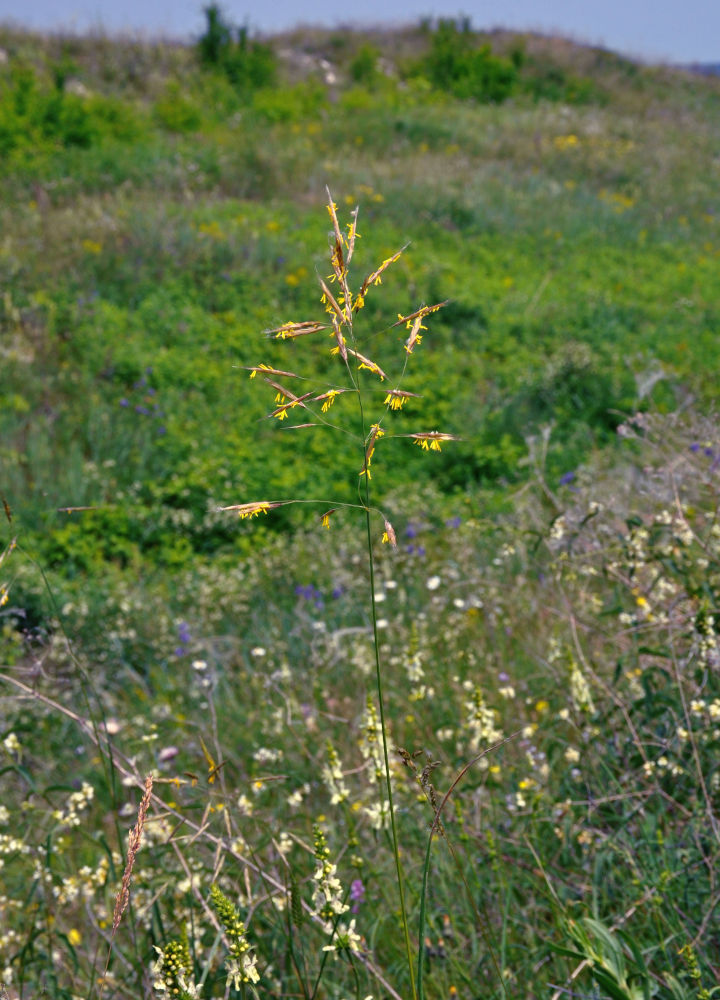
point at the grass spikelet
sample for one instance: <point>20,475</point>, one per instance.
<point>389,535</point>
<point>287,331</point>
<point>246,510</point>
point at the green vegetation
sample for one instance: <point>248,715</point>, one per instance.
<point>247,64</point>
<point>554,590</point>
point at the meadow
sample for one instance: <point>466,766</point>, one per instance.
<point>438,714</point>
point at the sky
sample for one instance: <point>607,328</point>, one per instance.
<point>675,31</point>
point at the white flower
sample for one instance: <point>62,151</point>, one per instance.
<point>295,798</point>
<point>433,583</point>
<point>378,815</point>
<point>243,971</point>
<point>245,805</point>
<point>346,939</point>
<point>284,843</point>
<point>580,691</point>
<point>11,743</point>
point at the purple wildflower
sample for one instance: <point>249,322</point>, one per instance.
<point>357,894</point>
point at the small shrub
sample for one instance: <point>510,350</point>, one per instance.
<point>248,64</point>
<point>457,67</point>
<point>363,68</point>
<point>175,112</point>
<point>548,82</point>
<point>217,41</point>
<point>34,118</point>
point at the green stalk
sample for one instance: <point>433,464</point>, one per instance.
<point>365,498</point>
<point>388,784</point>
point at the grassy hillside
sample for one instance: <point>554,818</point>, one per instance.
<point>553,591</point>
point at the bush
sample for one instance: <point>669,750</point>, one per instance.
<point>553,83</point>
<point>34,117</point>
<point>175,112</point>
<point>363,67</point>
<point>457,67</point>
<point>247,64</point>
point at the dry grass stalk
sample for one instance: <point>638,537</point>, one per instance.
<point>123,896</point>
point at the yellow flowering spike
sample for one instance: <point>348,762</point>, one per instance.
<point>396,398</point>
<point>431,440</point>
<point>376,277</point>
<point>340,340</point>
<point>421,313</point>
<point>389,534</point>
<point>244,510</point>
<point>285,399</point>
<point>352,235</point>
<point>290,330</point>
<point>213,767</point>
<point>325,519</point>
<point>337,262</point>
<point>332,212</point>
<point>371,366</point>
<point>329,301</point>
<point>414,323</point>
<point>336,255</point>
<point>376,432</point>
<point>268,370</point>
<point>415,335</point>
<point>328,398</point>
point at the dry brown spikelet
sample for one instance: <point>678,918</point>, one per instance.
<point>134,842</point>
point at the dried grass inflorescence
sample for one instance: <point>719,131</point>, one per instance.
<point>134,842</point>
